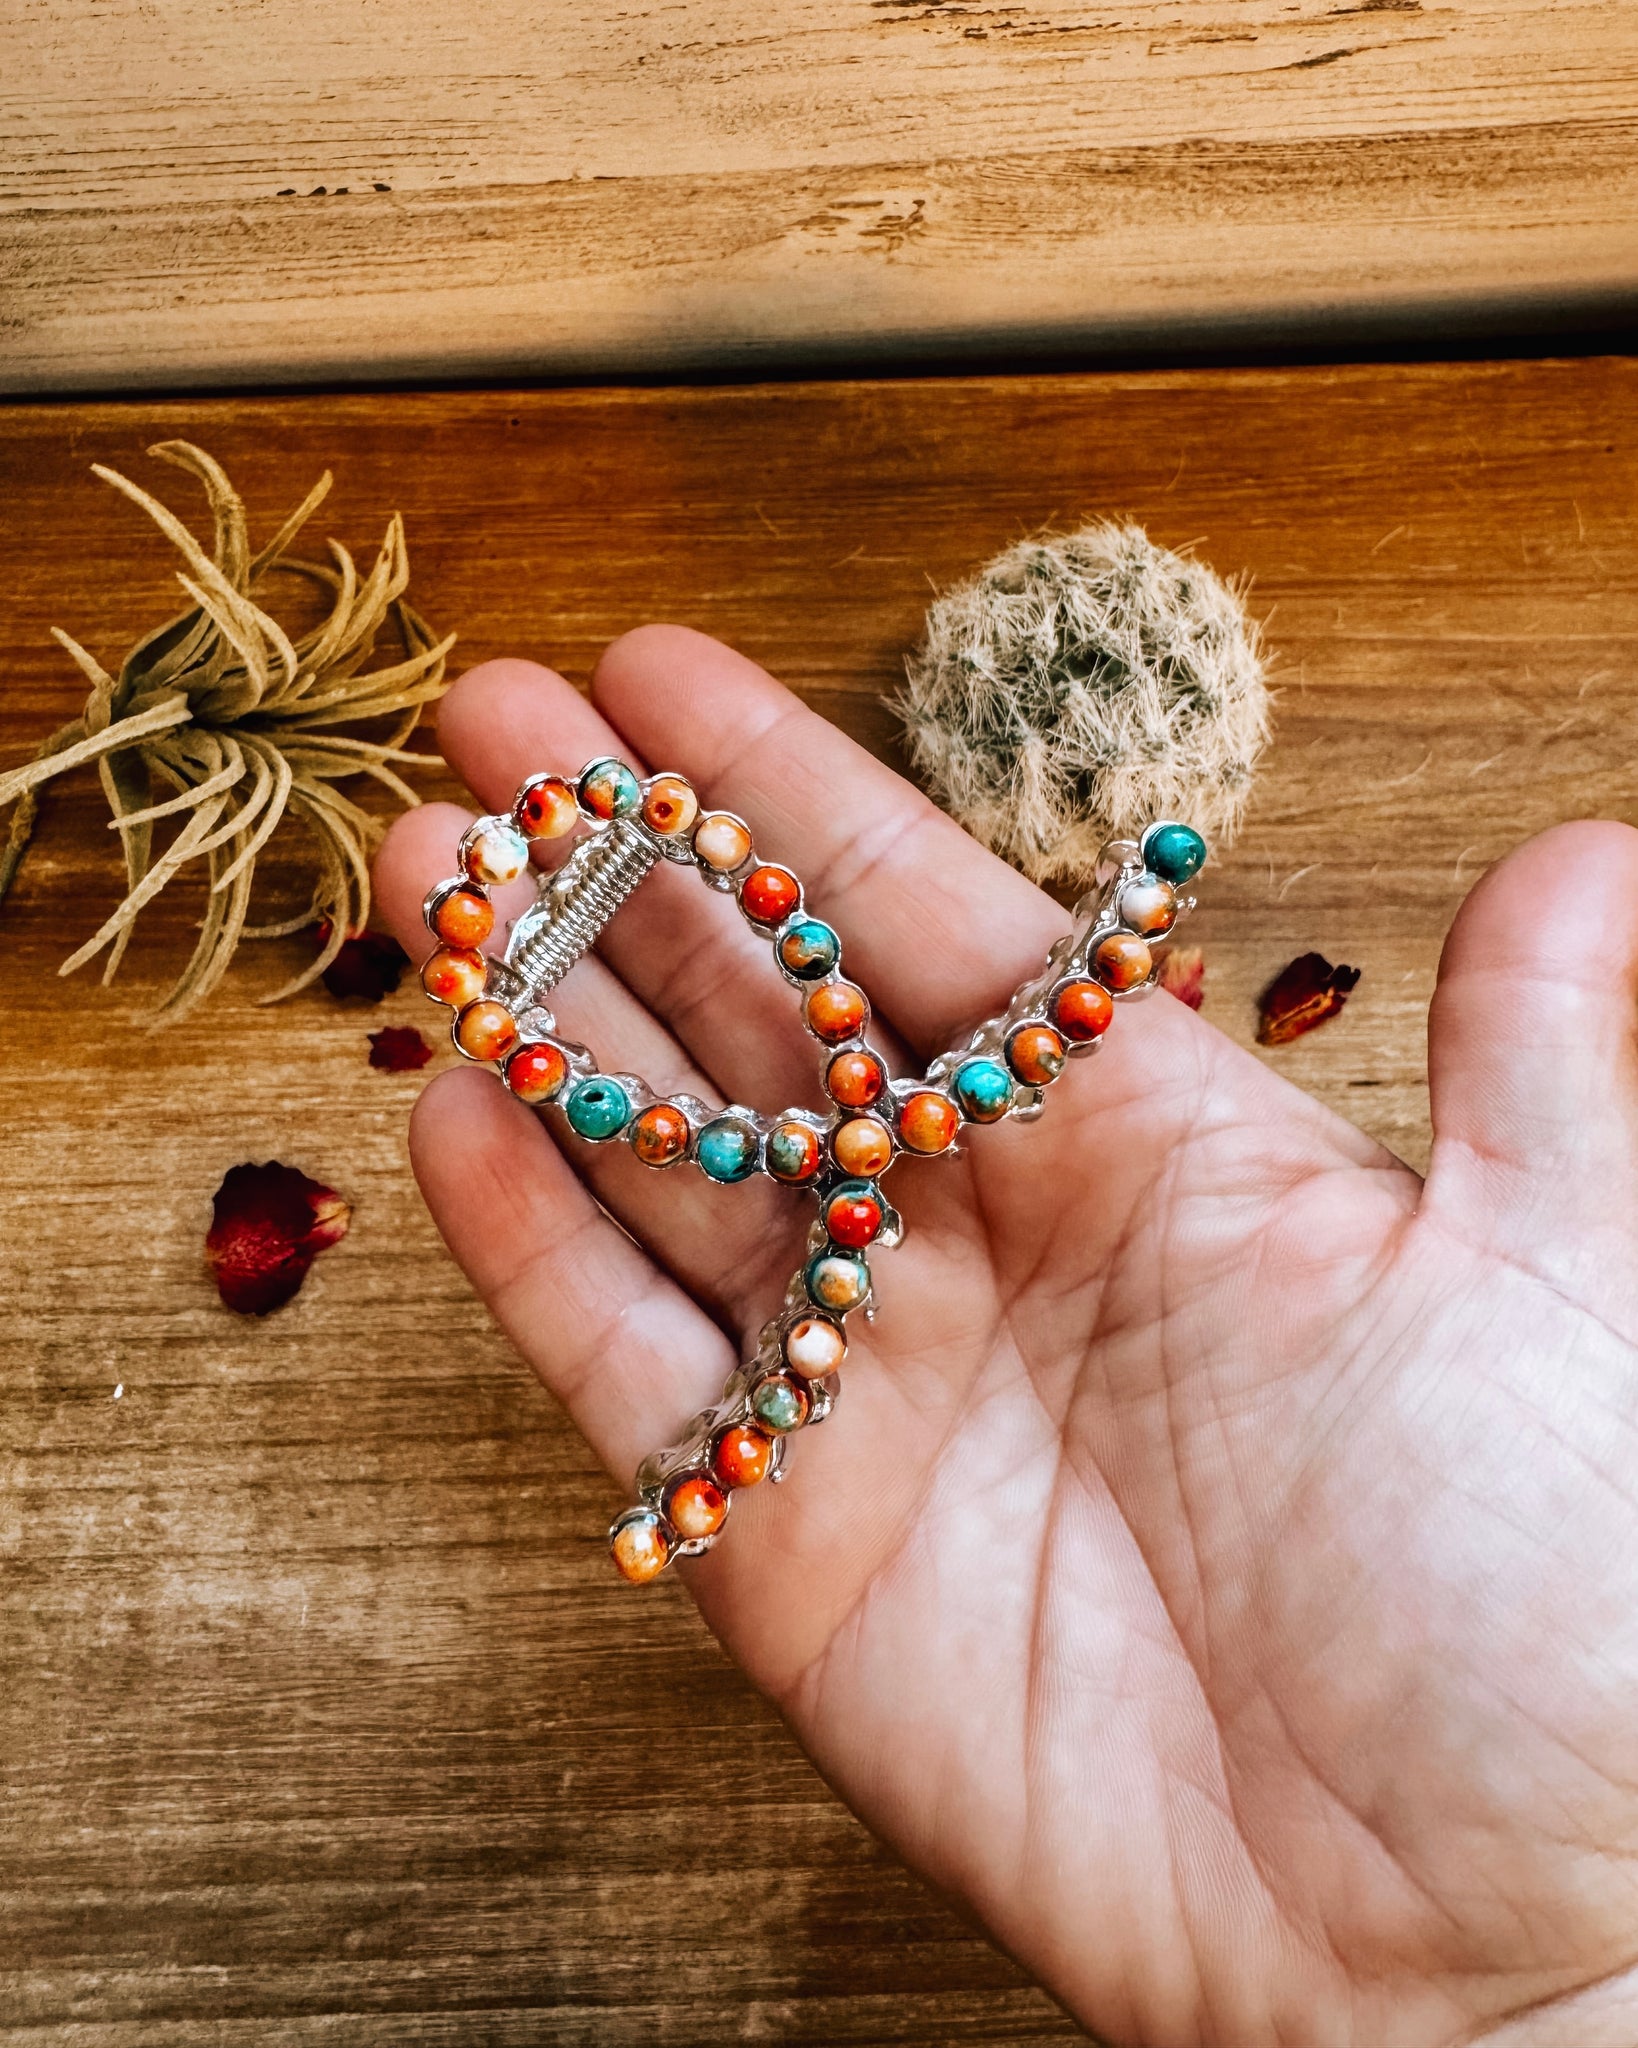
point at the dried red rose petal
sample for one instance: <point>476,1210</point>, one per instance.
<point>1303,996</point>
<point>398,1049</point>
<point>1183,974</point>
<point>370,964</point>
<point>268,1224</point>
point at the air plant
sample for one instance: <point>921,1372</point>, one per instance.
<point>244,727</point>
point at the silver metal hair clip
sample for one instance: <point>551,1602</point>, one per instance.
<point>1002,1069</point>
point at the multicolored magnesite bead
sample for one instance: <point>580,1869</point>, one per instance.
<point>1035,1054</point>
<point>984,1089</point>
<point>536,1073</point>
<point>696,1507</point>
<point>546,808</point>
<point>794,1151</point>
<point>741,1455</point>
<point>854,1213</point>
<point>768,895</point>
<point>640,1544</point>
<point>1081,1010</point>
<point>726,1149</point>
<point>608,789</point>
<point>722,841</point>
<point>814,1347</point>
<point>837,1280</point>
<point>1176,853</point>
<point>494,851</point>
<point>598,1107</point>
<point>809,949</point>
<point>659,1136</point>
<point>1148,905</point>
<point>855,1079</point>
<point>670,806</point>
<point>781,1403</point>
<point>928,1122</point>
<point>862,1146</point>
<point>462,917</point>
<point>486,1030</point>
<point>1122,961</point>
<point>835,1012</point>
<point>455,975</point>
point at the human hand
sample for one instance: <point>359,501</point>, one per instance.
<point>1222,1567</point>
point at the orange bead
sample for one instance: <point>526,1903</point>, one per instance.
<point>660,1134</point>
<point>1035,1054</point>
<point>769,895</point>
<point>1081,1010</point>
<point>464,917</point>
<point>1148,905</point>
<point>546,808</point>
<point>741,1455</point>
<point>928,1122</point>
<point>696,1507</point>
<point>640,1545</point>
<point>486,1030</point>
<point>855,1079</point>
<point>854,1214</point>
<point>722,842</point>
<point>836,1011</point>
<point>455,976</point>
<point>1122,961</point>
<point>670,807</point>
<point>535,1073</point>
<point>863,1145</point>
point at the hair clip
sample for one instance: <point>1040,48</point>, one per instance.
<point>626,824</point>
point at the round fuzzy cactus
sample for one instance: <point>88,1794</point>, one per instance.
<point>1079,686</point>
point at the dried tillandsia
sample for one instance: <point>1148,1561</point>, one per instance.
<point>245,727</point>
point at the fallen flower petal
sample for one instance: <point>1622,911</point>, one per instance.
<point>370,965</point>
<point>398,1049</point>
<point>1301,997</point>
<point>268,1223</point>
<point>1183,974</point>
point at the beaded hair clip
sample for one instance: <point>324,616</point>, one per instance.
<point>1002,1069</point>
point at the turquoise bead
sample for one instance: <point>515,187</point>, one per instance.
<point>809,949</point>
<point>779,1404</point>
<point>726,1149</point>
<point>836,1280</point>
<point>984,1089</point>
<point>1176,853</point>
<point>608,789</point>
<point>598,1107</point>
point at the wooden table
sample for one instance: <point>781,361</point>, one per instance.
<point>196,193</point>
<point>323,1719</point>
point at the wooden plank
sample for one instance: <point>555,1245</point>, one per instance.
<point>324,1720</point>
<point>194,195</point>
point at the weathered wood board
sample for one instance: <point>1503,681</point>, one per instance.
<point>193,194</point>
<point>322,1717</point>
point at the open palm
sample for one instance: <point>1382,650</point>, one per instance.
<point>1221,1566</point>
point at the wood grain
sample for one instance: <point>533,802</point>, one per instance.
<point>324,1721</point>
<point>193,194</point>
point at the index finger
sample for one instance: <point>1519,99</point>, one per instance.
<point>939,930</point>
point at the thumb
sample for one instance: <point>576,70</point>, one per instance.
<point>1532,1062</point>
